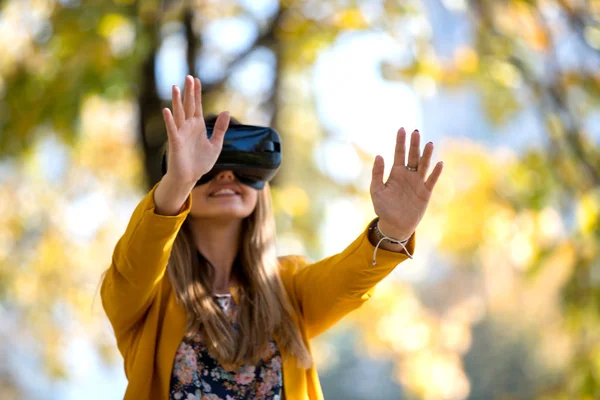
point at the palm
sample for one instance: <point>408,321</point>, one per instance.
<point>401,202</point>
<point>191,153</point>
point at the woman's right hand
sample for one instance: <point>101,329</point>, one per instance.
<point>191,153</point>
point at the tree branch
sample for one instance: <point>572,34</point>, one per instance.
<point>267,39</point>
<point>193,41</point>
<point>553,98</point>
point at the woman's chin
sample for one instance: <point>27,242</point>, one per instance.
<point>222,211</point>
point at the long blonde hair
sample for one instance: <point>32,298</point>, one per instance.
<point>265,311</point>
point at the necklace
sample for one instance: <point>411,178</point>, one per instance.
<point>224,301</point>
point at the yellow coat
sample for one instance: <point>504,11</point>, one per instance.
<point>149,324</point>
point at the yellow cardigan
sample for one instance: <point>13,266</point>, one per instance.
<point>149,324</point>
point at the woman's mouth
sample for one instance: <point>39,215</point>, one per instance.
<point>224,193</point>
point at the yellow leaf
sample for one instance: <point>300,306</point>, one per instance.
<point>291,199</point>
<point>110,23</point>
<point>466,60</point>
<point>587,212</point>
<point>351,19</point>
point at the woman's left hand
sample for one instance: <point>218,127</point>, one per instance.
<point>401,202</point>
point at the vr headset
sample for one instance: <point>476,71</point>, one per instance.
<point>253,153</point>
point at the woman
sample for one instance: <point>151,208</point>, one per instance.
<point>200,305</point>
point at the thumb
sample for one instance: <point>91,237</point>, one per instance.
<point>377,177</point>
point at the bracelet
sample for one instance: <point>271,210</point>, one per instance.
<point>375,228</point>
<point>382,236</point>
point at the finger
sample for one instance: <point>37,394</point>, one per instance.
<point>221,125</point>
<point>415,149</point>
<point>198,98</point>
<point>170,124</point>
<point>400,153</point>
<point>178,113</point>
<point>188,97</point>
<point>425,160</point>
<point>433,178</point>
<point>377,177</point>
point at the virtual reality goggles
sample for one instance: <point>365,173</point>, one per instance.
<point>253,153</point>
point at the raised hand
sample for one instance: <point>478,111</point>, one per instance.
<point>191,153</point>
<point>401,202</point>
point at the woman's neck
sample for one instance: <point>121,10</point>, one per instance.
<point>218,240</point>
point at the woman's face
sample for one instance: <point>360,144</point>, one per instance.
<point>223,197</point>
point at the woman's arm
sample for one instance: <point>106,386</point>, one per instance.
<point>329,289</point>
<point>140,260</point>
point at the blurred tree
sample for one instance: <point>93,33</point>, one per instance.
<point>541,58</point>
<point>82,83</point>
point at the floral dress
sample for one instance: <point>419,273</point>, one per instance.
<point>198,376</point>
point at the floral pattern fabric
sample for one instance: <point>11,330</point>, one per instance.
<point>198,376</point>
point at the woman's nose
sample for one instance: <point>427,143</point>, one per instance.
<point>226,175</point>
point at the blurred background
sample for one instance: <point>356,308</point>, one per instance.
<point>502,300</point>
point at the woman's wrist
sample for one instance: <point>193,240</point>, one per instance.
<point>392,232</point>
<point>382,240</point>
<point>170,195</point>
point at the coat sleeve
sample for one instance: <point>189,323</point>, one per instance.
<point>138,264</point>
<point>329,289</point>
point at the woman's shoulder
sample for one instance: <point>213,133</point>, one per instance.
<point>290,264</point>
<point>291,261</point>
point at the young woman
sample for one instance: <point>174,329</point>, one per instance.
<point>200,305</point>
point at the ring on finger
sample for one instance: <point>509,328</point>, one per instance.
<point>414,169</point>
